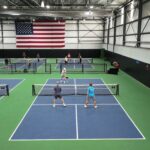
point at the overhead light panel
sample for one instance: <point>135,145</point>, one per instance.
<point>89,13</point>
<point>122,15</point>
<point>15,14</point>
<point>48,6</point>
<point>5,7</point>
<point>42,4</point>
<point>132,10</point>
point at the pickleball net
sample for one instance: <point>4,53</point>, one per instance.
<point>4,90</point>
<point>79,89</point>
<point>75,60</point>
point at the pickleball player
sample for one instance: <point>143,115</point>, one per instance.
<point>58,95</point>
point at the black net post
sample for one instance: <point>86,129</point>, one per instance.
<point>50,68</point>
<point>33,90</point>
<point>45,64</point>
<point>60,67</point>
<point>34,68</point>
<point>105,67</point>
<point>15,67</point>
<point>117,91</point>
<point>7,90</point>
<point>82,67</point>
<point>46,67</point>
<point>45,60</point>
<point>11,67</point>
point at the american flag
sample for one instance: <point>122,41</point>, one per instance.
<point>40,34</point>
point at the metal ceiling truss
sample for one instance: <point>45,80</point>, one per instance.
<point>60,8</point>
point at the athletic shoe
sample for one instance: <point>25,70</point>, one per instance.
<point>85,106</point>
<point>64,105</point>
<point>95,107</point>
<point>54,105</point>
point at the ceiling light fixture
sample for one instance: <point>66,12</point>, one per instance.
<point>47,6</point>
<point>5,7</point>
<point>89,13</point>
<point>42,4</point>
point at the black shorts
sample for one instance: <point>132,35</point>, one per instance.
<point>80,60</point>
<point>6,62</point>
<point>66,62</point>
<point>58,96</point>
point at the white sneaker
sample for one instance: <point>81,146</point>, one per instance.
<point>54,105</point>
<point>64,105</point>
<point>95,107</point>
<point>85,106</point>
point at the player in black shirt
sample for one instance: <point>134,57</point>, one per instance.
<point>57,94</point>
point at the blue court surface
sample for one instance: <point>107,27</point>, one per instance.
<point>12,83</point>
<point>74,122</point>
<point>22,64</point>
<point>74,64</point>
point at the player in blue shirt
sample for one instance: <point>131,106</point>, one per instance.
<point>90,95</point>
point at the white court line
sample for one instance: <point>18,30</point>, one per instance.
<point>107,139</point>
<point>25,114</point>
<point>10,78</point>
<point>103,104</point>
<point>127,114</point>
<point>98,139</point>
<point>76,116</point>
<point>79,78</point>
<point>75,86</point>
<point>13,87</point>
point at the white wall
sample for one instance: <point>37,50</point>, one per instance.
<point>140,54</point>
<point>130,50</point>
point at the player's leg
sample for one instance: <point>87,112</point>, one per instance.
<point>80,60</point>
<point>64,79</point>
<point>94,101</point>
<point>54,101</point>
<point>62,100</point>
<point>86,102</point>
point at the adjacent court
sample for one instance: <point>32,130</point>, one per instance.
<point>75,63</point>
<point>74,122</point>
<point>7,85</point>
<point>74,74</point>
